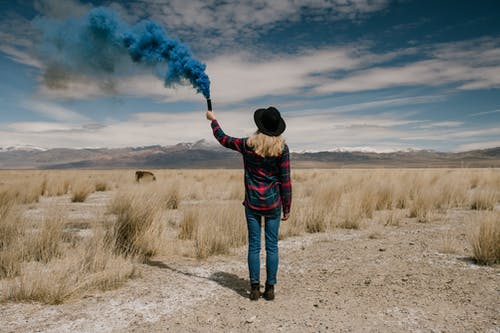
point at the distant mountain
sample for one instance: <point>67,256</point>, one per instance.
<point>203,154</point>
<point>21,148</point>
<point>407,158</point>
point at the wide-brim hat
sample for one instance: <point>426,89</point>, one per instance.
<point>269,121</point>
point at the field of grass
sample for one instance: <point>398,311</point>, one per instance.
<point>66,233</point>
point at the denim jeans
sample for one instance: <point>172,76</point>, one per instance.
<point>272,225</point>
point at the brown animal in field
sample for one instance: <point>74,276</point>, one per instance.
<point>144,175</point>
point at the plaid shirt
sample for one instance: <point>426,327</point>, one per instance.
<point>267,179</point>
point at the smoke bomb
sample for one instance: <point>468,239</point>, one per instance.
<point>92,45</point>
<point>209,104</point>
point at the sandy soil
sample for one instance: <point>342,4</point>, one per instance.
<point>409,278</point>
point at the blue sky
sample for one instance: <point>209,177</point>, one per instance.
<point>351,74</point>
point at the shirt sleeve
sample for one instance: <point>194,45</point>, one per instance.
<point>286,182</point>
<point>226,140</point>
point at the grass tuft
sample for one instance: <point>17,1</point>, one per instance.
<point>101,186</point>
<point>483,199</point>
<point>137,226</point>
<point>80,191</point>
<point>484,237</point>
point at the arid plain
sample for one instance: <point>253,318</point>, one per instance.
<point>365,250</point>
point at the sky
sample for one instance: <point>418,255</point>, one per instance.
<point>372,75</point>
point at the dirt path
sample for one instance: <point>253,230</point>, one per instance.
<point>340,281</point>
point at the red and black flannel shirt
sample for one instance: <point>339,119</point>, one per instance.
<point>267,179</point>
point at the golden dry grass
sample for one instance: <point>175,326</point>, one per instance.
<point>80,191</point>
<point>101,186</point>
<point>483,199</point>
<point>45,240</point>
<point>484,237</point>
<point>137,226</point>
<point>39,265</point>
<point>189,212</point>
<point>214,229</point>
<point>10,240</point>
<point>189,224</point>
<point>171,197</point>
<point>90,266</point>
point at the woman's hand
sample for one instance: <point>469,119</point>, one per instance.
<point>285,217</point>
<point>210,115</point>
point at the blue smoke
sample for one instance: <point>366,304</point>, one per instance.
<point>95,43</point>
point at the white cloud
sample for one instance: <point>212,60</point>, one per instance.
<point>60,9</point>
<point>325,131</point>
<point>313,131</point>
<point>485,131</point>
<point>443,124</point>
<point>75,89</point>
<point>237,77</point>
<point>484,113</point>
<point>478,145</point>
<point>388,102</point>
<point>139,129</point>
<point>20,56</point>
<point>456,135</point>
<point>40,127</point>
<point>427,72</point>
<point>144,85</point>
<point>472,64</point>
<point>134,86</point>
<point>54,111</point>
<point>17,44</point>
<point>241,76</point>
<point>216,23</point>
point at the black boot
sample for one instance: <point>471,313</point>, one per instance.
<point>255,291</point>
<point>269,292</point>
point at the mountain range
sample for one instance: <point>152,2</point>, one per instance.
<point>203,154</point>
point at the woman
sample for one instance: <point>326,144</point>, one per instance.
<point>268,190</point>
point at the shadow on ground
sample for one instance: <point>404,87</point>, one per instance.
<point>224,279</point>
<point>469,260</point>
<point>231,281</point>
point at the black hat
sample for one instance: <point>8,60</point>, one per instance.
<point>269,121</point>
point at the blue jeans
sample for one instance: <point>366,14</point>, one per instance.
<point>272,225</point>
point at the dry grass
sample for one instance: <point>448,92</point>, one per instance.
<point>45,241</point>
<point>392,218</point>
<point>137,226</point>
<point>26,192</point>
<point>421,206</point>
<point>189,224</point>
<point>483,199</point>
<point>44,259</point>
<point>220,231</point>
<point>214,230</point>
<point>484,237</point>
<point>171,197</point>
<point>294,226</point>
<point>90,266</point>
<point>316,219</point>
<point>449,243</point>
<point>375,231</point>
<point>101,186</point>
<point>351,214</point>
<point>57,185</point>
<point>43,267</point>
<point>10,240</point>
<point>80,191</point>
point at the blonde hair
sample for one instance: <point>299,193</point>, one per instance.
<point>266,145</point>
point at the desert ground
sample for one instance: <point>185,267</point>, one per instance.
<point>373,250</point>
